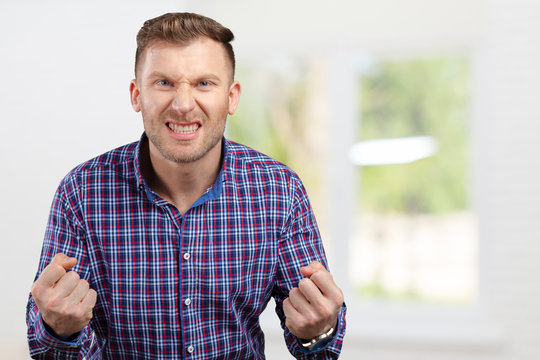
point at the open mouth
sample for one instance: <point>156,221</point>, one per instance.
<point>184,128</point>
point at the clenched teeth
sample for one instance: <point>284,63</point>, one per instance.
<point>183,129</point>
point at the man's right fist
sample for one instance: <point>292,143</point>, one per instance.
<point>64,300</point>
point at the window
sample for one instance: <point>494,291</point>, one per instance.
<point>414,236</point>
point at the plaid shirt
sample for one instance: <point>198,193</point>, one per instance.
<point>172,286</point>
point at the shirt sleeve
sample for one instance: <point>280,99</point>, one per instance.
<point>300,244</point>
<point>64,233</point>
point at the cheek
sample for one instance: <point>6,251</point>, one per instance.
<point>154,105</point>
<point>212,106</point>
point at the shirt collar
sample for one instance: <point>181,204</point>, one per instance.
<point>141,182</point>
<point>142,185</point>
<point>211,193</point>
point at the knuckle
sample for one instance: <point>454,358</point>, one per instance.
<point>57,267</point>
<point>84,283</point>
<point>304,283</point>
<point>37,290</point>
<point>286,311</point>
<point>336,297</point>
<point>94,295</point>
<point>286,304</point>
<point>65,312</point>
<point>318,275</point>
<point>53,303</point>
<point>324,311</point>
<point>80,312</point>
<point>72,312</point>
<point>52,270</point>
<point>59,256</point>
<point>73,275</point>
<point>55,260</point>
<point>339,298</point>
<point>289,325</point>
<point>89,315</point>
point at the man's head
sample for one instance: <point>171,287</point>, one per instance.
<point>184,86</point>
<point>180,29</point>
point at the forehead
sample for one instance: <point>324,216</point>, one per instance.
<point>201,54</point>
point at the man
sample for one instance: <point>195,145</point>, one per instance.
<point>172,246</point>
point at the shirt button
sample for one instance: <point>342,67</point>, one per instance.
<point>190,349</point>
<point>187,302</point>
<point>186,256</point>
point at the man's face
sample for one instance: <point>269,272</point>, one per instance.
<point>184,94</point>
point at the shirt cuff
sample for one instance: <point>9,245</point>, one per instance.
<point>49,340</point>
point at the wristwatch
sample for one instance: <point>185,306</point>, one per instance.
<point>318,341</point>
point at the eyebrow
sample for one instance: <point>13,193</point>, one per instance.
<point>210,76</point>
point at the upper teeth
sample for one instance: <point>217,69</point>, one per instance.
<point>183,129</point>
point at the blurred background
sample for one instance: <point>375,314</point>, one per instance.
<point>413,123</point>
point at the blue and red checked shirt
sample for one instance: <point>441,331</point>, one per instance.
<point>172,286</point>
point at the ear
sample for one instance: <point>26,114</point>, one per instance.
<point>134,93</point>
<point>234,96</point>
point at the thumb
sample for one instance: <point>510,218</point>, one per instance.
<point>311,269</point>
<point>65,261</point>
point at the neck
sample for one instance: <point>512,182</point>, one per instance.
<point>181,184</point>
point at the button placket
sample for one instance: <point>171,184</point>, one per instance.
<point>186,256</point>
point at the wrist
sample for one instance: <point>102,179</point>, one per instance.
<point>318,341</point>
<point>53,333</point>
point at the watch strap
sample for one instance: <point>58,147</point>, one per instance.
<point>311,344</point>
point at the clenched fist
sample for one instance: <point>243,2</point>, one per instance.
<point>312,308</point>
<point>64,300</point>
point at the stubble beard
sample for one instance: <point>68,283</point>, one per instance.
<point>215,130</point>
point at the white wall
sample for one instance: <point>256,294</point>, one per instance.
<point>65,68</point>
<point>507,187</point>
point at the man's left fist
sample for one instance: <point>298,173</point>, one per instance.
<point>312,308</point>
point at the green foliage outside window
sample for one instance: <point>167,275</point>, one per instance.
<point>417,98</point>
<point>255,123</point>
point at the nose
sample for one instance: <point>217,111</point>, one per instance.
<point>183,101</point>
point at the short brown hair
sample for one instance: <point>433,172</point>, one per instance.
<point>180,29</point>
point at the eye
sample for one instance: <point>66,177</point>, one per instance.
<point>204,83</point>
<point>163,83</point>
